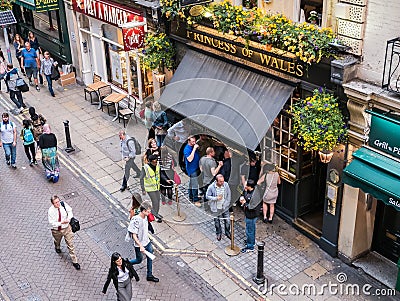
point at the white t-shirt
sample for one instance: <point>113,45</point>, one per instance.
<point>7,132</point>
<point>140,227</point>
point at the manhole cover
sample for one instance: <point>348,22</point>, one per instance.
<point>34,298</point>
<point>23,284</point>
<point>70,195</point>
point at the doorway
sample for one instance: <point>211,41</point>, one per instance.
<point>386,239</point>
<point>311,199</point>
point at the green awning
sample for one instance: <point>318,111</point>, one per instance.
<point>375,174</point>
<point>29,4</point>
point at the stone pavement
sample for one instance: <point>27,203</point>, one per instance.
<point>189,249</point>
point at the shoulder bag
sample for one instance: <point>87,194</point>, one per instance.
<point>74,223</point>
<point>21,85</point>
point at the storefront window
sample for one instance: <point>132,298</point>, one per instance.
<point>280,147</point>
<point>48,22</point>
<point>311,11</point>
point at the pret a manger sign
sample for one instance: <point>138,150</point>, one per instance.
<point>116,15</point>
<point>107,11</point>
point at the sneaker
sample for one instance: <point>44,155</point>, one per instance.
<point>37,88</point>
<point>8,162</point>
<point>30,83</point>
<point>31,163</point>
<point>14,166</point>
<point>247,250</point>
<point>163,202</point>
<point>35,162</point>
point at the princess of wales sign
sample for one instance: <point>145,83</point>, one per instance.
<point>115,15</point>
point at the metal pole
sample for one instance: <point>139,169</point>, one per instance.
<point>68,137</point>
<point>232,250</point>
<point>7,44</point>
<point>260,279</point>
<point>179,216</point>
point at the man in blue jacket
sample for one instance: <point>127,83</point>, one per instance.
<point>219,198</point>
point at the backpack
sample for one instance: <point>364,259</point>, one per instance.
<point>28,136</point>
<point>138,148</point>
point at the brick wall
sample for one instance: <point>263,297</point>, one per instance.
<point>382,24</point>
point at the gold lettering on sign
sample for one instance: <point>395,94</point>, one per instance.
<point>265,59</point>
<point>273,62</point>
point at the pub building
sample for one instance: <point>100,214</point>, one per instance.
<point>108,34</point>
<point>48,21</point>
<point>242,97</point>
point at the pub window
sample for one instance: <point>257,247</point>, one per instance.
<point>311,11</point>
<point>282,149</point>
<point>249,3</point>
<point>49,23</point>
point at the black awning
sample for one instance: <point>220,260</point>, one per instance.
<point>234,102</point>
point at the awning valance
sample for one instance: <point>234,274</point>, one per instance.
<point>375,174</point>
<point>234,102</point>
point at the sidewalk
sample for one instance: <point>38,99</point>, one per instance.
<point>290,258</point>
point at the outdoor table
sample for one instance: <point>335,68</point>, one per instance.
<point>115,98</point>
<point>96,86</point>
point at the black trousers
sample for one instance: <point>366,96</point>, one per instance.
<point>30,149</point>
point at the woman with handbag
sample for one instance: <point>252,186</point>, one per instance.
<point>121,273</point>
<point>46,69</point>
<point>160,123</point>
<point>48,145</point>
<point>15,94</point>
<point>271,179</point>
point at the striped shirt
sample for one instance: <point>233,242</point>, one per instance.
<point>45,67</point>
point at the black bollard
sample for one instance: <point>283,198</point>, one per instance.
<point>68,137</point>
<point>260,279</point>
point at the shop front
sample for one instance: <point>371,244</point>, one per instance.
<point>242,94</point>
<point>375,171</point>
<point>110,35</point>
<point>47,20</point>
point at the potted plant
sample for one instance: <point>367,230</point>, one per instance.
<point>319,124</point>
<point>158,52</point>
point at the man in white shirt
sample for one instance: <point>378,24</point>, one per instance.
<point>59,221</point>
<point>9,139</point>
<point>139,230</point>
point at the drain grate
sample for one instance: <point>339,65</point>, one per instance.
<point>33,298</point>
<point>23,284</point>
<point>70,195</point>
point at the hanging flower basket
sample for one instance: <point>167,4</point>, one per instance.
<point>318,123</point>
<point>325,156</point>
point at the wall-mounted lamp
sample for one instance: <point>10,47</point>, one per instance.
<point>84,46</point>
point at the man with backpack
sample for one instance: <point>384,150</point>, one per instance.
<point>129,149</point>
<point>9,139</point>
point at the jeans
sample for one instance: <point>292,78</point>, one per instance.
<point>193,187</point>
<point>10,150</point>
<point>139,258</point>
<point>251,231</point>
<point>16,97</point>
<point>160,140</point>
<point>130,164</point>
<point>50,84</point>
<point>227,223</point>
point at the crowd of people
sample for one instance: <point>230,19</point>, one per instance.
<point>34,63</point>
<point>38,142</point>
